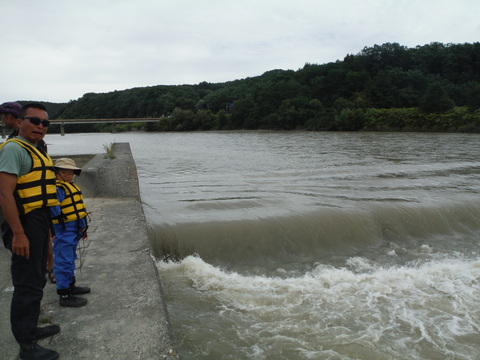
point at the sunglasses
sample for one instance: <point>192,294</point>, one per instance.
<point>37,121</point>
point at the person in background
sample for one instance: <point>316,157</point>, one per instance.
<point>27,191</point>
<point>70,224</point>
<point>9,112</point>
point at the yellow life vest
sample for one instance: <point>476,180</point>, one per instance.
<point>72,207</point>
<point>37,188</point>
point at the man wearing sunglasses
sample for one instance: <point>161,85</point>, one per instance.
<point>9,112</point>
<point>27,191</point>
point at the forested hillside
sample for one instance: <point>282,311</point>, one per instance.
<point>435,87</point>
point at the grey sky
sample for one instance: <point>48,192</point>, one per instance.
<point>58,50</point>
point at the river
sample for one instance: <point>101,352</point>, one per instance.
<point>312,245</point>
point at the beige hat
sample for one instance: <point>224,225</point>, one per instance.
<point>66,163</point>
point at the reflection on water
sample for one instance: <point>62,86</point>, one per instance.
<point>295,245</point>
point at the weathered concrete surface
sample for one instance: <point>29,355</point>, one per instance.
<point>125,317</point>
<point>112,178</point>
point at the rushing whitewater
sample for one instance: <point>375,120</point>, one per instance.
<point>295,245</point>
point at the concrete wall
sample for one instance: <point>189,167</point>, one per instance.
<point>117,178</point>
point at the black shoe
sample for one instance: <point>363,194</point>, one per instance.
<point>72,301</point>
<point>36,352</point>
<point>47,331</point>
<point>79,290</point>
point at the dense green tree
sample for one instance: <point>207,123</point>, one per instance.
<point>350,115</point>
<point>205,120</point>
<point>435,78</point>
<point>474,97</point>
<point>222,120</point>
<point>242,117</point>
<point>436,99</point>
<point>182,120</point>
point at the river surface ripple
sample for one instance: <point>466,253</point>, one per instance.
<point>303,245</point>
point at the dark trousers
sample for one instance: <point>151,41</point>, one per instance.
<point>28,277</point>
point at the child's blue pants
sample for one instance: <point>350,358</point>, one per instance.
<point>65,252</point>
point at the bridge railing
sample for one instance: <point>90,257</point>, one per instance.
<point>113,122</point>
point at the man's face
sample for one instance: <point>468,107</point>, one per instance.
<point>31,132</point>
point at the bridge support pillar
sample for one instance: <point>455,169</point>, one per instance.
<point>62,129</point>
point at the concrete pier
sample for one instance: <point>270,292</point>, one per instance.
<point>125,317</point>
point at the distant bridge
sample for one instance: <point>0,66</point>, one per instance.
<point>113,122</point>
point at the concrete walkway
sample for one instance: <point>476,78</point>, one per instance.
<point>125,317</point>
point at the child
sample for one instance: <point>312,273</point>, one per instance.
<point>70,225</point>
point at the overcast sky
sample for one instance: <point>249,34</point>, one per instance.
<point>58,50</point>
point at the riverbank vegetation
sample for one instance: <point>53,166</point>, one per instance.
<point>389,87</point>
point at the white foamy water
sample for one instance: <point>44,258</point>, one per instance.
<point>361,311</point>
<point>296,245</point>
